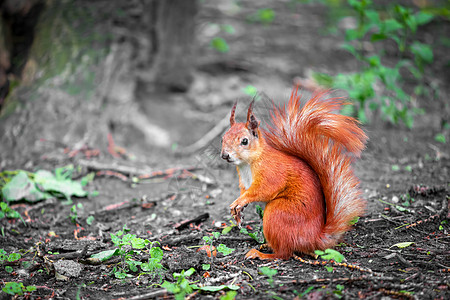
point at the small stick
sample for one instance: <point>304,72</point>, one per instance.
<point>100,166</point>
<point>345,265</point>
<point>201,218</point>
<point>207,138</point>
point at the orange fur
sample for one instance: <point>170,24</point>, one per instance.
<point>301,168</point>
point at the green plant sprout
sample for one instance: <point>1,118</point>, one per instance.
<point>396,23</point>
<point>338,292</point>
<point>9,213</point>
<point>21,185</point>
<point>264,16</point>
<point>182,286</point>
<point>221,248</point>
<point>258,234</point>
<point>269,273</point>
<point>17,288</point>
<point>154,267</point>
<point>9,258</point>
<point>330,254</point>
<point>128,247</point>
<point>74,212</point>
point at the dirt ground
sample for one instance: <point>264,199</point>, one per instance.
<point>398,249</point>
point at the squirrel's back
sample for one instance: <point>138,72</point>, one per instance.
<point>328,142</point>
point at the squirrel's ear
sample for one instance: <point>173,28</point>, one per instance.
<point>233,110</point>
<point>252,124</point>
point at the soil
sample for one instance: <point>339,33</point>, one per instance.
<point>398,249</point>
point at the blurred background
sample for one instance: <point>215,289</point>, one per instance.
<point>156,79</point>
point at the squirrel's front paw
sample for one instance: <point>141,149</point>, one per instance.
<point>236,209</point>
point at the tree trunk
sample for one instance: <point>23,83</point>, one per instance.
<point>172,35</point>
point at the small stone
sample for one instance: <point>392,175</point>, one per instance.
<point>67,268</point>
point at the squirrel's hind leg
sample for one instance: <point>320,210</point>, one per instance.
<point>253,253</point>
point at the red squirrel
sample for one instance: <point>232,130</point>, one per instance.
<point>300,166</point>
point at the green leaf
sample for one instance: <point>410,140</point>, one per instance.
<point>120,274</point>
<point>10,269</point>
<point>133,265</point>
<point>402,245</point>
<point>206,267</point>
<point>189,272</point>
<point>171,287</point>
<point>14,256</point>
<point>21,187</point>
<point>227,229</point>
<point>329,268</point>
<point>138,243</point>
<point>213,288</point>
<point>208,239</point>
<point>374,60</point>
<point>266,15</point>
<point>67,187</point>
<point>105,255</point>
<point>13,288</point>
<point>348,110</point>
<point>378,37</point>
<point>354,221</point>
<point>230,295</point>
<point>87,179</point>
<point>31,288</point>
<point>362,116</point>
<point>351,34</point>
<point>373,16</point>
<point>350,48</point>
<point>323,79</point>
<point>319,252</point>
<point>334,255</point>
<point>309,289</point>
<point>268,271</point>
<point>251,90</point>
<point>259,211</point>
<point>422,51</point>
<point>3,255</point>
<point>228,28</point>
<point>156,253</point>
<point>220,44</point>
<point>423,17</point>
<point>390,25</point>
<point>89,220</point>
<point>440,138</point>
<point>224,249</point>
<point>12,214</point>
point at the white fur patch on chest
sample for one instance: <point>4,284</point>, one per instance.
<point>245,173</point>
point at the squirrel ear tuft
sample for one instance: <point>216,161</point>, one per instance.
<point>233,110</point>
<point>252,124</point>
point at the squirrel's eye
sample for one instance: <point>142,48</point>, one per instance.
<point>244,141</point>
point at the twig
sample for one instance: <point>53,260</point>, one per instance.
<point>422,221</point>
<point>113,166</point>
<point>184,238</point>
<point>154,294</point>
<point>207,138</point>
<point>339,279</point>
<point>197,220</point>
<point>337,264</point>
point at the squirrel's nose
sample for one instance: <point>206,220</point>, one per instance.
<point>225,155</point>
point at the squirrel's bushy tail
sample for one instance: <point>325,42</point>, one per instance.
<point>328,142</point>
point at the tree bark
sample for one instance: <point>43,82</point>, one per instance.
<point>172,35</point>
